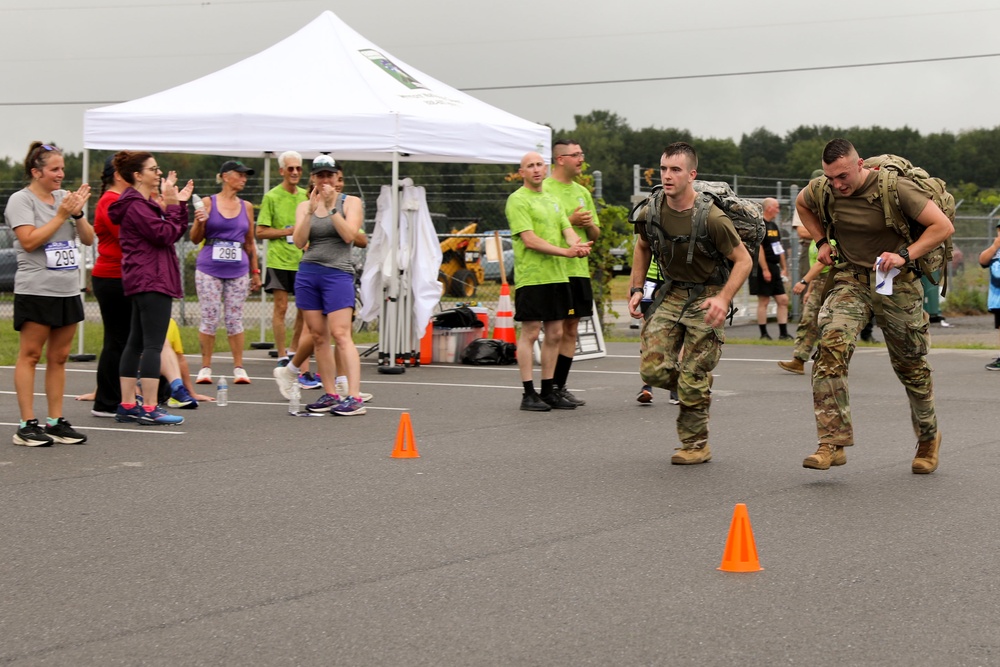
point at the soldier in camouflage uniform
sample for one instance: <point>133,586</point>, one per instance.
<point>864,239</point>
<point>697,326</point>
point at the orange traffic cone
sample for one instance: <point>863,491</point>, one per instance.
<point>503,325</point>
<point>406,446</point>
<point>741,550</point>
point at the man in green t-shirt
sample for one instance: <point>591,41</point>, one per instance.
<point>578,205</point>
<point>678,322</point>
<point>275,224</point>
<point>542,235</point>
<point>864,242</point>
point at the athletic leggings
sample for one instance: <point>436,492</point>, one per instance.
<point>150,319</point>
<point>219,296</point>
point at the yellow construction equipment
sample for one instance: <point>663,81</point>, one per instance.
<point>461,270</point>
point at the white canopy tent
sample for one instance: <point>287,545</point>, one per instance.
<point>352,100</point>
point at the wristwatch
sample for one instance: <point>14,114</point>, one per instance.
<point>804,282</point>
<point>635,290</point>
<point>905,254</point>
<point>77,216</point>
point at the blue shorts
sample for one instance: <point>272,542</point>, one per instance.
<point>322,288</point>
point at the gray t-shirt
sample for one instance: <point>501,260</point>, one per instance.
<point>326,248</point>
<point>53,268</point>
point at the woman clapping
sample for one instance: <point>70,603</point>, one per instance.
<point>46,220</point>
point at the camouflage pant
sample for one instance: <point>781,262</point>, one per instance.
<point>807,332</point>
<point>663,337</point>
<point>846,310</point>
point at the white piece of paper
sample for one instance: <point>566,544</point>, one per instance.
<point>883,279</point>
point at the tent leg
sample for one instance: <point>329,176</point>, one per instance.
<point>80,354</point>
<point>262,344</point>
<point>389,353</point>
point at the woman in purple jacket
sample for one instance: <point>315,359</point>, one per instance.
<point>152,217</point>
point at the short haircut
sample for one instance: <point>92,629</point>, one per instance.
<point>127,163</point>
<point>287,154</point>
<point>836,149</point>
<point>683,148</point>
<point>38,155</point>
<point>563,142</point>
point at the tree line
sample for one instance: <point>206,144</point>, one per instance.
<point>969,161</point>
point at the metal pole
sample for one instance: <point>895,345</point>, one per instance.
<point>390,307</point>
<point>80,354</point>
<point>262,265</point>
<point>598,182</point>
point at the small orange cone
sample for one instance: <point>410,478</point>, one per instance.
<point>503,325</point>
<point>741,550</point>
<point>406,446</point>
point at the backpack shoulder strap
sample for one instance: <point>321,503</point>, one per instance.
<point>699,227</point>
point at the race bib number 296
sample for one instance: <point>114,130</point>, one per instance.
<point>227,251</point>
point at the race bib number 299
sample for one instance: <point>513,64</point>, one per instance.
<point>61,256</point>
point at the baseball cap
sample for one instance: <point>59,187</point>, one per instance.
<point>235,165</point>
<point>324,163</point>
<point>816,173</point>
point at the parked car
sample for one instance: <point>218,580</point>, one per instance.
<point>8,259</point>
<point>623,257</point>
<point>491,270</point>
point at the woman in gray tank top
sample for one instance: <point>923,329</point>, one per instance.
<point>325,227</point>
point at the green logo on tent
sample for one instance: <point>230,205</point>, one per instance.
<point>390,68</point>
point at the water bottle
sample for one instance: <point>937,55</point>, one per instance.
<point>222,392</point>
<point>197,203</point>
<point>295,400</point>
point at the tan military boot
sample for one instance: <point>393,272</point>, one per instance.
<point>796,366</point>
<point>826,456</point>
<point>685,457</point>
<point>926,460</point>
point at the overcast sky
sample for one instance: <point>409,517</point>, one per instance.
<point>61,57</point>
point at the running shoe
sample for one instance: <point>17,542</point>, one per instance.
<point>102,413</point>
<point>182,398</point>
<point>159,417</point>
<point>283,361</point>
<point>994,365</point>
<point>204,376</point>
<point>285,379</point>
<point>349,407</point>
<point>240,376</point>
<point>325,403</point>
<point>126,415</point>
<point>32,435</point>
<point>674,398</point>
<point>309,381</point>
<point>645,394</point>
<point>64,434</point>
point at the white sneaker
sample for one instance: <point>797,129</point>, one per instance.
<point>341,388</point>
<point>240,376</point>
<point>286,380</point>
<point>204,376</point>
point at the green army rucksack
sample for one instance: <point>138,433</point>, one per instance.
<point>890,168</point>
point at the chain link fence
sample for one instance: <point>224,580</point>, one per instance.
<point>468,274</point>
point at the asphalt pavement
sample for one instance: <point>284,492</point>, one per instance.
<point>248,537</point>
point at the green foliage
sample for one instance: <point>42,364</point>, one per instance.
<point>615,232</point>
<point>967,291</point>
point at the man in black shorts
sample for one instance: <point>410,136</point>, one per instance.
<point>577,204</point>
<point>772,272</point>
<point>538,227</point>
